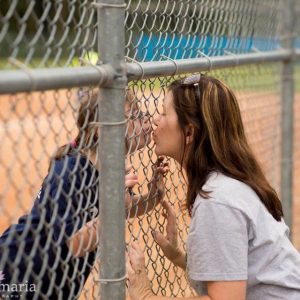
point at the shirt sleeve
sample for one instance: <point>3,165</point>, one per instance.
<point>69,204</point>
<point>217,243</point>
<point>65,217</point>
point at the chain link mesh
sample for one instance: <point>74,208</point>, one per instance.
<point>40,34</point>
<point>47,33</point>
<point>184,29</point>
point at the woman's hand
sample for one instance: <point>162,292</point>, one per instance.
<point>139,284</point>
<point>156,186</point>
<point>130,181</point>
<point>169,243</point>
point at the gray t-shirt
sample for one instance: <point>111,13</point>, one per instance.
<point>232,236</point>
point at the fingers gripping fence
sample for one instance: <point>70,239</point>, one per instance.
<point>62,127</point>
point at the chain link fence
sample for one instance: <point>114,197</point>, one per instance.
<point>54,61</point>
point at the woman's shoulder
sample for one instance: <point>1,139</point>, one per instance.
<point>70,161</point>
<point>230,192</point>
<point>234,197</point>
<point>70,164</point>
<point>219,183</point>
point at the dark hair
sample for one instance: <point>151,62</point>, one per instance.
<point>219,142</point>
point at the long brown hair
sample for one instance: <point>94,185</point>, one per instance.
<point>219,142</point>
<point>87,136</point>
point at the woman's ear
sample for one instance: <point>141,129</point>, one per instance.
<point>189,134</point>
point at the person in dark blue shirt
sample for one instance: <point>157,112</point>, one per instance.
<point>51,251</point>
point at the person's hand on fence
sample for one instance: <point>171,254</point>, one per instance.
<point>131,180</point>
<point>156,186</point>
<point>169,243</point>
<point>139,284</point>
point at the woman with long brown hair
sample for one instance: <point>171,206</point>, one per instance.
<point>238,245</point>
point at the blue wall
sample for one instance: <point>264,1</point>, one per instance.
<point>150,47</point>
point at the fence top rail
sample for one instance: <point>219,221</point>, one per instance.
<point>28,80</point>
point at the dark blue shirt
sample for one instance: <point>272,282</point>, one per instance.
<point>34,251</point>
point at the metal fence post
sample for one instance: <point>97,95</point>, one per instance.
<point>287,99</point>
<point>111,46</point>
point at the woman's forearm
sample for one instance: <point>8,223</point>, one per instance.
<point>84,240</point>
<point>180,261</point>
